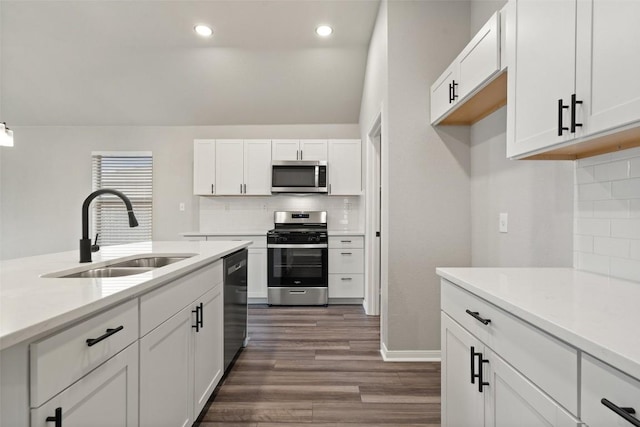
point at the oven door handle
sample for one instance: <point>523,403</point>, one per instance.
<point>298,246</point>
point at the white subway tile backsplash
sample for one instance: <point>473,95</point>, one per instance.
<point>625,228</point>
<point>627,189</point>
<point>593,227</point>
<point>583,243</point>
<point>612,171</point>
<point>625,268</point>
<point>614,208</point>
<point>594,191</point>
<point>634,249</point>
<point>611,246</point>
<point>593,263</point>
<point>585,175</point>
<point>607,214</point>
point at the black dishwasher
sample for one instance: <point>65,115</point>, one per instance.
<point>235,304</point>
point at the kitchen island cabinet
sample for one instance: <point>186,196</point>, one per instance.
<point>78,348</point>
<point>525,345</point>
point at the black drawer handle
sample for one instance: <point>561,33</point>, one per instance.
<point>561,108</point>
<point>476,316</point>
<point>346,253</point>
<point>625,413</point>
<point>346,278</point>
<point>57,418</point>
<point>107,334</point>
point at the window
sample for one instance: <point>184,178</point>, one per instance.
<point>132,174</point>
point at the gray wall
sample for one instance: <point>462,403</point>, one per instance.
<point>425,173</point>
<point>47,175</point>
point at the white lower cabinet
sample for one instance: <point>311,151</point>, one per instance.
<point>181,361</point>
<point>498,371</point>
<point>108,396</point>
<point>610,398</point>
<point>346,267</point>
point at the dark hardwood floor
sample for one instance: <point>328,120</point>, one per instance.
<point>321,366</point>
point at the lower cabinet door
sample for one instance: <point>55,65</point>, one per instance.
<point>208,348</point>
<point>462,402</point>
<point>514,401</point>
<point>166,373</point>
<point>257,273</point>
<point>106,397</point>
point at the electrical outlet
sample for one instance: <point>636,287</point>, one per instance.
<point>503,222</point>
<point>181,207</point>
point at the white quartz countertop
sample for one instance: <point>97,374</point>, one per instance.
<point>594,313</point>
<point>31,305</point>
<point>263,233</point>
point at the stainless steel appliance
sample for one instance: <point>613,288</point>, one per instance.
<point>299,176</point>
<point>297,259</point>
<point>235,304</point>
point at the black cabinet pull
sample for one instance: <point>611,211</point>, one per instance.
<point>197,312</point>
<point>450,93</point>
<point>625,413</point>
<point>574,102</point>
<point>57,418</point>
<point>107,334</point>
<point>473,364</point>
<point>454,95</point>
<point>561,108</point>
<point>481,382</point>
<point>476,316</point>
<point>201,307</point>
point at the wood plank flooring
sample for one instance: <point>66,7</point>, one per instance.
<point>321,367</point>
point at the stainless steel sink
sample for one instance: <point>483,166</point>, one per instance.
<point>101,272</point>
<point>117,268</point>
<point>151,262</point>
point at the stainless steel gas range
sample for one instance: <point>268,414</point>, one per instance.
<point>297,259</point>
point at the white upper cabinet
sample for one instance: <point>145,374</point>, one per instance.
<point>541,76</point>
<point>573,86</point>
<point>229,167</point>
<point>296,149</point>
<point>232,167</point>
<point>313,149</point>
<point>453,95</point>
<point>345,167</point>
<point>257,167</point>
<point>204,172</point>
<point>608,63</point>
<point>285,149</point>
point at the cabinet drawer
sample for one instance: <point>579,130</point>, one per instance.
<point>346,286</point>
<point>600,381</point>
<point>108,396</point>
<point>546,361</point>
<point>61,359</point>
<point>157,306</point>
<point>346,261</point>
<point>342,242</point>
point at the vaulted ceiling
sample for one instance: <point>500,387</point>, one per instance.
<point>135,62</point>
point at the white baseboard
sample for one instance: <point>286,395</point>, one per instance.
<point>409,355</point>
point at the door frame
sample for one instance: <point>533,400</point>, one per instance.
<point>373,217</point>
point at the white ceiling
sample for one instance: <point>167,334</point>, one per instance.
<point>135,62</point>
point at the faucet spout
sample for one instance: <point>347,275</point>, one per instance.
<point>85,242</point>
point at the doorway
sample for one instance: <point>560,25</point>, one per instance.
<point>373,217</point>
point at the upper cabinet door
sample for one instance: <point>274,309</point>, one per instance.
<point>204,167</point>
<point>345,167</point>
<point>313,149</point>
<point>480,59</point>
<point>443,95</point>
<point>257,167</point>
<point>541,73</point>
<point>229,167</point>
<point>608,61</point>
<point>285,149</point>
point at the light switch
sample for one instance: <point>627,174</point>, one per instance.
<point>503,222</point>
<point>181,207</point>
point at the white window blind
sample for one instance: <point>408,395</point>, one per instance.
<point>131,174</point>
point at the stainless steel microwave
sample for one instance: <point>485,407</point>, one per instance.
<point>299,176</point>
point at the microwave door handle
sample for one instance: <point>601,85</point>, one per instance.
<point>317,175</point>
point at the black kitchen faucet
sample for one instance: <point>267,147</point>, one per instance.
<point>85,242</point>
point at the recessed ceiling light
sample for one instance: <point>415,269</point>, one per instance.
<point>324,30</point>
<point>203,30</point>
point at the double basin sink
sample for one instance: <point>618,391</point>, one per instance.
<point>122,268</point>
